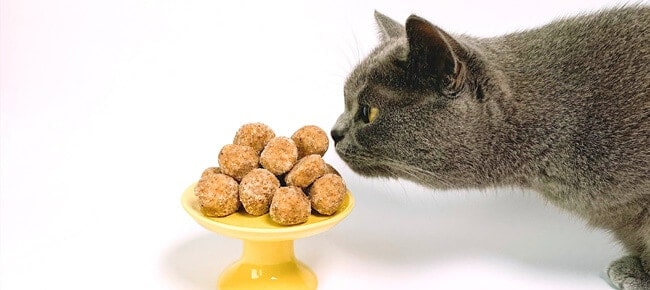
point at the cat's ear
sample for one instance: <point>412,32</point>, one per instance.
<point>388,28</point>
<point>431,54</point>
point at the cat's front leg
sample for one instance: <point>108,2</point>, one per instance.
<point>629,273</point>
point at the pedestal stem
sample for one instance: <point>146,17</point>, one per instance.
<point>268,253</point>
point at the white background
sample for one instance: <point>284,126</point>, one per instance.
<point>110,109</point>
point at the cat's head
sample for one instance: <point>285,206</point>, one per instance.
<point>407,105</point>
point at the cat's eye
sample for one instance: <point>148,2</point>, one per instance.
<point>368,114</point>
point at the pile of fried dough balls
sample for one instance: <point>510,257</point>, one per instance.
<point>264,173</point>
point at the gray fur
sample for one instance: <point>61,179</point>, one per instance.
<point>563,109</point>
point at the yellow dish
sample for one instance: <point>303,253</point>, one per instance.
<point>268,260</point>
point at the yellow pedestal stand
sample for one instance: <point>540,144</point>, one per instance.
<point>268,260</point>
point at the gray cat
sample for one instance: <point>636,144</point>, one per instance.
<point>563,109</point>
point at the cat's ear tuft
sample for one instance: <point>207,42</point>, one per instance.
<point>388,28</point>
<point>431,53</point>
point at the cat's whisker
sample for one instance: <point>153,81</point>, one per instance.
<point>356,46</point>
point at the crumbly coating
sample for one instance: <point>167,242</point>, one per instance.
<point>310,139</point>
<point>290,206</point>
<point>237,160</point>
<point>306,171</point>
<point>218,194</point>
<point>327,194</point>
<point>210,170</point>
<point>256,191</point>
<point>255,135</point>
<point>330,169</point>
<point>279,155</point>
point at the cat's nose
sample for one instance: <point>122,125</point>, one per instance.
<point>337,135</point>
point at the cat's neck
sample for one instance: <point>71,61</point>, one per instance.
<point>517,125</point>
<point>548,88</point>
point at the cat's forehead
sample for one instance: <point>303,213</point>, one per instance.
<point>376,63</point>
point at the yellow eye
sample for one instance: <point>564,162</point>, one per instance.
<point>369,114</point>
<point>373,114</point>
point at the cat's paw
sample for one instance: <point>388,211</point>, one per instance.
<point>627,273</point>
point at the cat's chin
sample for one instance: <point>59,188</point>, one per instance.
<point>371,170</point>
<point>363,165</point>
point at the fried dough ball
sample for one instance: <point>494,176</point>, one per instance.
<point>255,135</point>
<point>279,155</point>
<point>327,194</point>
<point>256,191</point>
<point>290,206</point>
<point>237,160</point>
<point>310,139</point>
<point>306,171</point>
<point>218,194</point>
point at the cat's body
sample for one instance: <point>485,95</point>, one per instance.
<point>563,109</point>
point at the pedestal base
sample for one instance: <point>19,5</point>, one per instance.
<point>286,276</point>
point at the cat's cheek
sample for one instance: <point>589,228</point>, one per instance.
<point>378,135</point>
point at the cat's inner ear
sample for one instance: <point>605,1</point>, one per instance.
<point>431,54</point>
<point>388,28</point>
